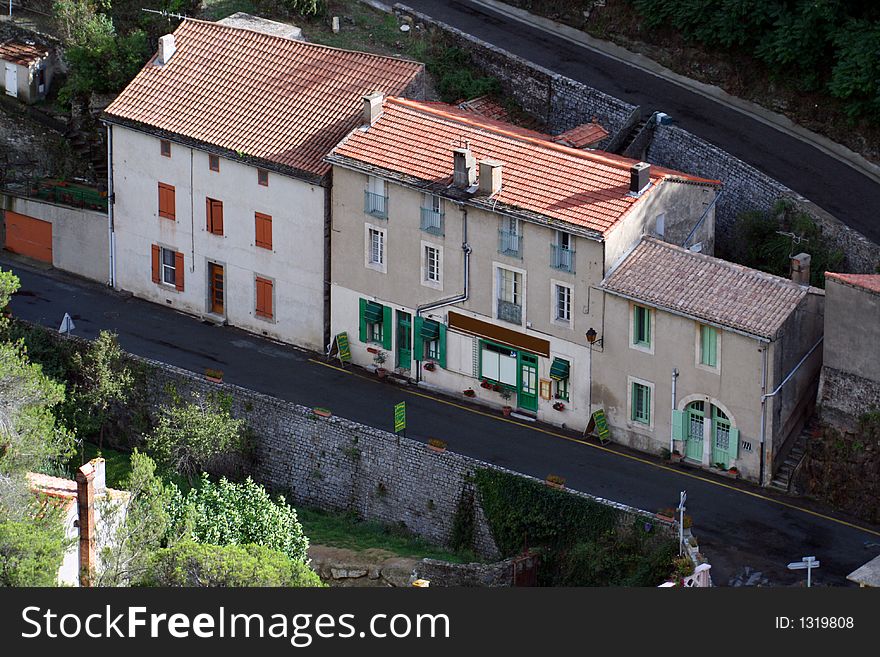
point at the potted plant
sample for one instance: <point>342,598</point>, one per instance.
<point>559,406</point>
<point>676,455</point>
<point>430,366</point>
<point>436,445</point>
<point>555,481</point>
<point>505,395</point>
<point>379,359</point>
<point>486,384</point>
<point>469,392</point>
<point>214,375</point>
<point>321,412</point>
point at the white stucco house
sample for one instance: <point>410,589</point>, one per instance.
<point>219,193</point>
<point>26,69</point>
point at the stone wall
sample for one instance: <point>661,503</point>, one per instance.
<point>843,397</point>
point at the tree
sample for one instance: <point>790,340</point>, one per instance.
<point>193,564</point>
<point>199,436</point>
<point>31,551</point>
<point>225,513</point>
<point>142,525</point>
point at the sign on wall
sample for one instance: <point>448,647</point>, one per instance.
<point>400,417</point>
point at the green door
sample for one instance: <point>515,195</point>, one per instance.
<point>694,440</point>
<point>527,392</point>
<point>404,340</point>
<point>720,437</point>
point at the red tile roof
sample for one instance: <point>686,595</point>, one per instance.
<point>870,282</point>
<point>414,139</point>
<point>710,289</point>
<point>485,106</point>
<point>582,136</point>
<point>284,101</point>
<point>20,53</point>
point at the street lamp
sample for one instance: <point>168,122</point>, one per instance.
<point>591,340</point>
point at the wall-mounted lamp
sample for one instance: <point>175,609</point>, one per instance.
<point>591,338</point>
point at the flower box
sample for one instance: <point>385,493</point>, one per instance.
<point>555,481</point>
<point>436,445</point>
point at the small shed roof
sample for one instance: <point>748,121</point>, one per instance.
<point>22,53</point>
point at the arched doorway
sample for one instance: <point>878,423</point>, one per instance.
<point>706,421</point>
<point>696,417</point>
<point>721,438</point>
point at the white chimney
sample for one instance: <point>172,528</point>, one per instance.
<point>166,49</point>
<point>490,177</point>
<point>639,177</point>
<point>372,107</point>
<point>100,481</point>
<point>464,172</point>
<point>800,268</point>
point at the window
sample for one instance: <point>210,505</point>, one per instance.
<point>165,147</point>
<point>563,303</point>
<point>563,252</point>
<point>509,295</point>
<point>660,224</point>
<point>708,346</point>
<point>498,363</point>
<point>375,323</point>
<point>214,211</point>
<point>432,266</point>
<point>377,247</point>
<point>510,238</point>
<point>562,389</point>
<point>214,162</point>
<point>263,177</point>
<point>559,372</point>
<point>263,228</point>
<point>641,403</point>
<point>166,201</point>
<point>432,214</point>
<point>641,336</point>
<point>264,306</point>
<point>167,267</point>
<point>376,198</point>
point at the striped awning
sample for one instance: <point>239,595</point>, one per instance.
<point>559,369</point>
<point>373,312</point>
<point>430,330</point>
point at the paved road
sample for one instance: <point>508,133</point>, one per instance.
<point>847,194</point>
<point>735,527</point>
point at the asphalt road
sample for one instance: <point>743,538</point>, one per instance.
<point>737,525</point>
<point>844,192</point>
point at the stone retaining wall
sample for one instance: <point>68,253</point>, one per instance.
<point>843,397</point>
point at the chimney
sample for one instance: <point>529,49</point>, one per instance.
<point>464,173</point>
<point>639,177</point>
<point>85,501</point>
<point>166,49</point>
<point>100,476</point>
<point>800,268</point>
<point>490,177</point>
<point>372,107</point>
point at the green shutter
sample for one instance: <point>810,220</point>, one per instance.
<point>678,425</point>
<point>648,329</point>
<point>559,369</point>
<point>442,347</point>
<point>386,327</point>
<point>709,346</point>
<point>362,331</point>
<point>647,405</point>
<point>633,411</point>
<point>636,324</point>
<point>418,341</point>
<point>733,447</point>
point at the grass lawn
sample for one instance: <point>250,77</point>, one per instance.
<point>345,531</point>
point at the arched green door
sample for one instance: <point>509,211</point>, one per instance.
<point>694,439</point>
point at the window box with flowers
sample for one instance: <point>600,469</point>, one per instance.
<point>436,445</point>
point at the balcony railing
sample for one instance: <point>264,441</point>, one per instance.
<point>509,312</point>
<point>376,205</point>
<point>562,258</point>
<point>432,221</point>
<point>510,243</point>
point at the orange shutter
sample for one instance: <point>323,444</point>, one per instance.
<point>208,225</point>
<point>217,216</point>
<point>263,230</point>
<point>156,256</point>
<point>166,201</point>
<point>264,297</point>
<point>178,271</point>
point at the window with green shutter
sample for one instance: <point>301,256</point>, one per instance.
<point>708,346</point>
<point>559,372</point>
<point>641,403</point>
<point>641,326</point>
<point>374,317</point>
<point>430,341</point>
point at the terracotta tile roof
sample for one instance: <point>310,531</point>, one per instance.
<point>485,106</point>
<point>582,136</point>
<point>706,288</point>
<point>284,101</point>
<point>20,53</point>
<point>414,139</point>
<point>60,488</point>
<point>870,282</point>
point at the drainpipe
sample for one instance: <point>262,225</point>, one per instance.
<point>671,425</point>
<point>111,237</point>
<point>466,253</point>
<point>702,218</point>
<point>766,396</point>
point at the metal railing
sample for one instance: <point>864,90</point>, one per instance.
<point>562,258</point>
<point>62,193</point>
<point>509,312</point>
<point>509,243</point>
<point>376,205</point>
<point>432,221</point>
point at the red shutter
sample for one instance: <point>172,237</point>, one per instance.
<point>208,224</point>
<point>156,256</point>
<point>264,297</point>
<point>166,201</point>
<point>263,224</point>
<point>217,217</point>
<point>178,271</point>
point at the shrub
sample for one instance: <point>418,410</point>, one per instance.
<point>31,552</point>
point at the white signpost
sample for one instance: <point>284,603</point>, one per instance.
<point>806,563</point>
<point>67,325</point>
<point>682,499</point>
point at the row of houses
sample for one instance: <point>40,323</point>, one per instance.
<point>302,192</point>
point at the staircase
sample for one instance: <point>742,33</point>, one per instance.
<point>631,136</point>
<point>782,479</point>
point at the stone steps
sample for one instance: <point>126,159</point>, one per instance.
<point>782,479</point>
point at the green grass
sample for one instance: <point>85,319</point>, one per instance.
<point>118,464</point>
<point>346,531</point>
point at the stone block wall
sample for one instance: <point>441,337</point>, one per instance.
<point>844,396</point>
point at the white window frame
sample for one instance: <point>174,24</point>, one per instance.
<point>660,224</point>
<point>425,270</point>
<point>652,313</point>
<point>554,304</point>
<point>368,248</point>
<point>496,289</point>
<point>163,266</point>
<point>698,348</point>
<point>632,424</point>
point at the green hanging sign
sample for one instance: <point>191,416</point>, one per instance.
<point>399,417</point>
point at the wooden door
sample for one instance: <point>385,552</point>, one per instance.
<point>215,278</point>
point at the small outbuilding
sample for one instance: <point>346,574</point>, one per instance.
<point>27,69</point>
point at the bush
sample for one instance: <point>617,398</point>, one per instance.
<point>225,513</point>
<point>31,552</point>
<point>191,564</point>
